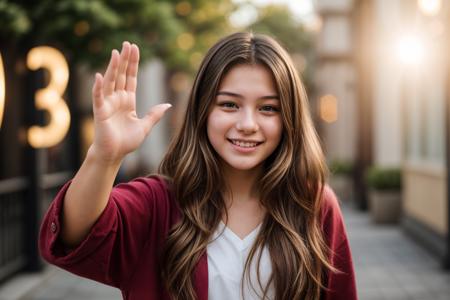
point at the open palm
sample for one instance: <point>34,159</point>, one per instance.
<point>118,130</point>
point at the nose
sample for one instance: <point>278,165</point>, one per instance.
<point>247,122</point>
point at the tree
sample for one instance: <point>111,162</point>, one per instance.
<point>86,30</point>
<point>278,22</point>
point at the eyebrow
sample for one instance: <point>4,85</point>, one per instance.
<point>225,93</point>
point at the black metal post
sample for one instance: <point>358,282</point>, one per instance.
<point>75,131</point>
<point>35,170</point>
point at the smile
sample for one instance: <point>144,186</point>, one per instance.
<point>245,144</point>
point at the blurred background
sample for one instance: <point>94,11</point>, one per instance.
<point>377,76</point>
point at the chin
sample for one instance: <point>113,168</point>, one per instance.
<point>243,166</point>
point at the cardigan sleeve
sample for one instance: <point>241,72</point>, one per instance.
<point>340,284</point>
<point>114,244</point>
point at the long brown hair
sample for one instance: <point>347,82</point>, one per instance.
<point>291,185</point>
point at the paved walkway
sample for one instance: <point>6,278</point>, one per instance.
<point>388,266</point>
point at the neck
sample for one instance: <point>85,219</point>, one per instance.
<point>241,184</point>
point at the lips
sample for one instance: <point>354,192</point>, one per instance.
<point>244,143</point>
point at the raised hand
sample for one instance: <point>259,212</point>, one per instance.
<point>118,130</point>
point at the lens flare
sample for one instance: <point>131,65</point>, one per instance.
<point>410,50</point>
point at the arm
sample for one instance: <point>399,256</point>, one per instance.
<point>118,131</point>
<point>86,198</point>
<point>128,235</point>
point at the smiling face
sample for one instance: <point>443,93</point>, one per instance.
<point>244,125</point>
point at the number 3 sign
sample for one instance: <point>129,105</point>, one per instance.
<point>48,98</point>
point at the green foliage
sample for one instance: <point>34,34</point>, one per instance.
<point>279,22</point>
<point>341,167</point>
<point>384,178</point>
<point>177,31</point>
<point>87,30</point>
<point>14,20</point>
<point>204,21</point>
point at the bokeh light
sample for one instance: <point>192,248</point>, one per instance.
<point>328,108</point>
<point>430,7</point>
<point>410,49</point>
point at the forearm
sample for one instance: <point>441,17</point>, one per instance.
<point>118,131</point>
<point>87,197</point>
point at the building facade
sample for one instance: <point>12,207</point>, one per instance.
<point>391,105</point>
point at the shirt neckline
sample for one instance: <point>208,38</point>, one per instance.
<point>246,241</point>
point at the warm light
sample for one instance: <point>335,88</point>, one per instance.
<point>195,59</point>
<point>313,24</point>
<point>81,28</point>
<point>185,41</point>
<point>429,7</point>
<point>49,98</point>
<point>52,60</point>
<point>328,108</point>
<point>55,131</point>
<point>183,8</point>
<point>87,133</point>
<point>436,28</point>
<point>410,50</point>
<point>2,90</point>
<point>179,82</point>
<point>46,98</point>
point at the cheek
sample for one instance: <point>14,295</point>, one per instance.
<point>209,129</point>
<point>214,127</point>
<point>274,129</point>
<point>218,122</point>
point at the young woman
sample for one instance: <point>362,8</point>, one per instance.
<point>240,208</point>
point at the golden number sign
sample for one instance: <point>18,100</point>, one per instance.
<point>50,97</point>
<point>2,90</point>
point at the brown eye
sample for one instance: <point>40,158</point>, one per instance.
<point>270,108</point>
<point>228,105</point>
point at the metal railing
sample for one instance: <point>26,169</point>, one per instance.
<point>16,251</point>
<point>12,228</point>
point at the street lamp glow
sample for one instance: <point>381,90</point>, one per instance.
<point>429,7</point>
<point>410,50</point>
<point>328,108</point>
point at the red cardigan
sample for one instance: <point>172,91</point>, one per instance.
<point>123,247</point>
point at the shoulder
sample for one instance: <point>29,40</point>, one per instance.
<point>329,202</point>
<point>340,284</point>
<point>331,218</point>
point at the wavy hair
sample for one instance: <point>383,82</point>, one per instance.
<point>291,185</point>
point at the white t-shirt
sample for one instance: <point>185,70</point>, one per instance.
<point>227,254</point>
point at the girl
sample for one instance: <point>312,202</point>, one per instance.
<point>239,210</point>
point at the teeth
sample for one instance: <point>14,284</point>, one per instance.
<point>244,144</point>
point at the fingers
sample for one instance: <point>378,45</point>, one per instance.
<point>123,64</point>
<point>97,91</point>
<point>109,81</point>
<point>122,70</point>
<point>132,70</point>
<point>154,115</point>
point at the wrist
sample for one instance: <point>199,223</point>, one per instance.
<point>95,156</point>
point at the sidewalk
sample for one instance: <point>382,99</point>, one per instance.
<point>388,266</point>
<point>57,284</point>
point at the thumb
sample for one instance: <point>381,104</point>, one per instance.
<point>154,115</point>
